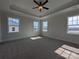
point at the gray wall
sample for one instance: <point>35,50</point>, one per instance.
<point>57,27</point>
<point>0,27</point>
<point>26,27</point>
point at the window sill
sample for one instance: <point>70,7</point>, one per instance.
<point>73,32</point>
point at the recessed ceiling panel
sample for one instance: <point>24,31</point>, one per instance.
<point>28,4</point>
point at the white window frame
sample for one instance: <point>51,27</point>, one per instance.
<point>44,25</point>
<point>73,25</point>
<point>12,25</point>
<point>36,24</point>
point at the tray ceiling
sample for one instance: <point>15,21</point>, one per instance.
<point>26,6</point>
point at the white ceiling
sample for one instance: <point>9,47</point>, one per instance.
<point>26,6</point>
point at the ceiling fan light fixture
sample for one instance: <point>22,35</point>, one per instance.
<point>40,8</point>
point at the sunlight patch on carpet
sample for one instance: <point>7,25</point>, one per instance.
<point>35,38</point>
<point>68,52</point>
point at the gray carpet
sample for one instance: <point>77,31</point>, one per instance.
<point>32,49</point>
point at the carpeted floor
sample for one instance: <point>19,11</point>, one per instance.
<point>43,48</point>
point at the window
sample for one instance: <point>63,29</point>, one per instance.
<point>36,24</point>
<point>73,24</point>
<point>13,24</point>
<point>44,26</point>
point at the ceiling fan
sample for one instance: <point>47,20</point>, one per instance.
<point>40,5</point>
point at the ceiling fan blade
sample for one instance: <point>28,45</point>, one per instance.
<point>40,3</point>
<point>45,2</point>
<point>34,7</point>
<point>46,8</point>
<point>36,2</point>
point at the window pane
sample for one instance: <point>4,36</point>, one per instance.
<point>45,25</point>
<point>69,23</point>
<point>75,20</point>
<point>78,19</point>
<point>36,24</point>
<point>69,19</point>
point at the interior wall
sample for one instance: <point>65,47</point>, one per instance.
<point>0,27</point>
<point>57,27</point>
<point>26,27</point>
